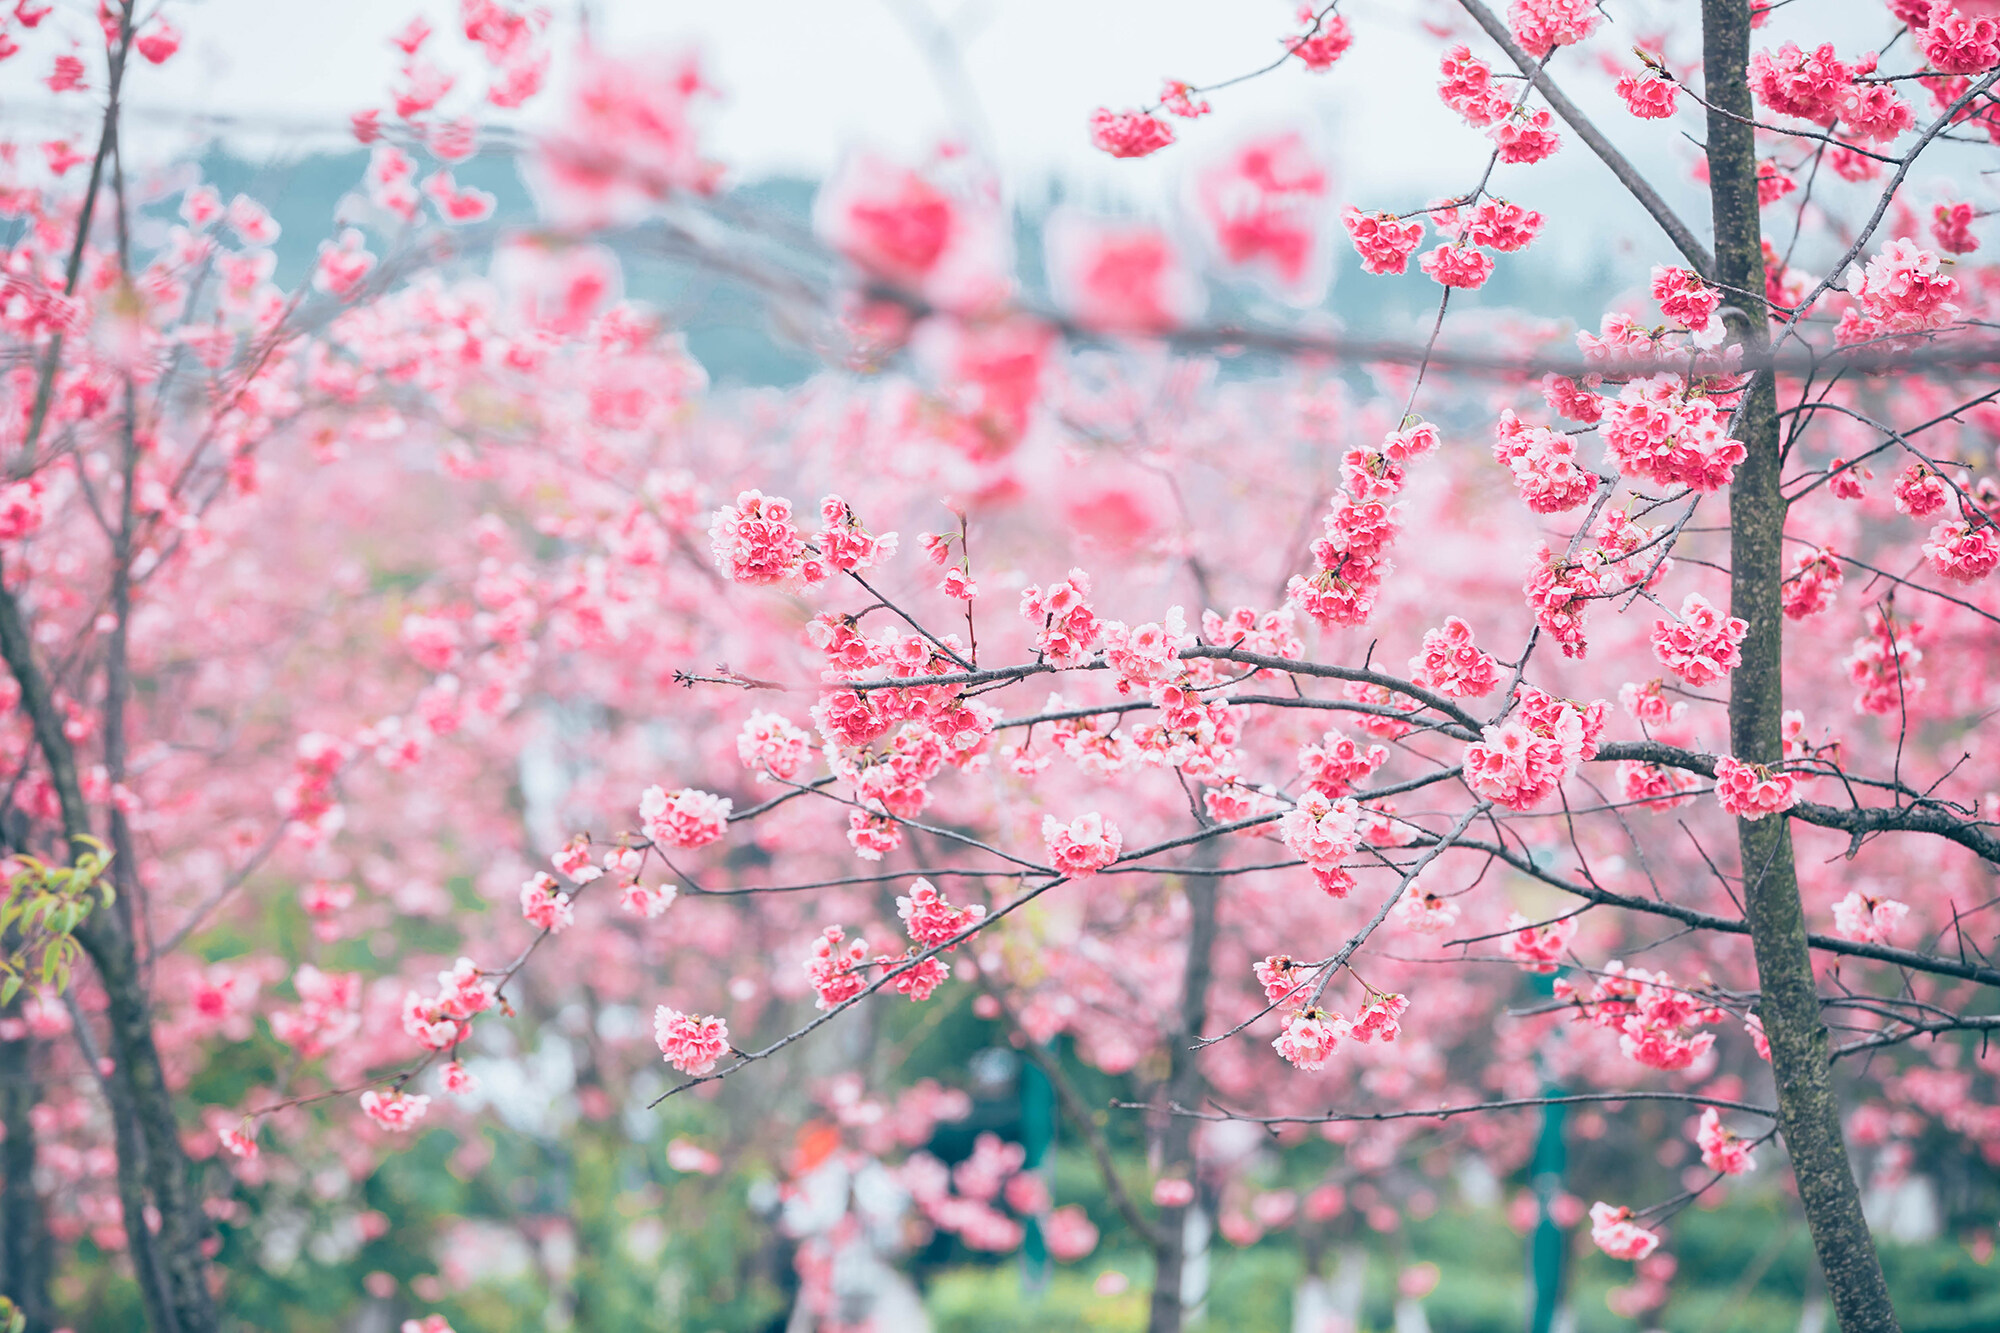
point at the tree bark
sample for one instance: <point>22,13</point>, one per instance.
<point>24,1236</point>
<point>151,1161</point>
<point>1184,1090</point>
<point>1808,1115</point>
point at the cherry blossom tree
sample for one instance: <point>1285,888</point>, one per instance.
<point>1260,708</point>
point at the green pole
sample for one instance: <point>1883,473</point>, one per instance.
<point>1547,1246</point>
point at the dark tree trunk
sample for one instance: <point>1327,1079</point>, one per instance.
<point>1808,1115</point>
<point>152,1166</point>
<point>1183,1090</point>
<point>24,1236</point>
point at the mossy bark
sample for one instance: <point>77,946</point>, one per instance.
<point>1808,1114</point>
<point>1184,1090</point>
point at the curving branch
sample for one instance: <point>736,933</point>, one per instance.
<point>1925,815</point>
<point>1447,1112</point>
<point>1677,231</point>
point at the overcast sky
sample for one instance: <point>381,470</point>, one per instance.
<point>805,79</point>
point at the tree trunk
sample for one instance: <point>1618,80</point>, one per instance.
<point>1184,1090</point>
<point>152,1165</point>
<point>1808,1115</point>
<point>24,1235</point>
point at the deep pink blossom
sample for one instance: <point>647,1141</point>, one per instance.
<point>1751,791</point>
<point>1128,133</point>
<point>685,819</point>
<point>691,1043</point>
<point>1648,94</point>
<point>1083,846</point>
<point>1384,244</point>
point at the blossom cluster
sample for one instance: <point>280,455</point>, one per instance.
<point>1067,629</point>
<point>1721,1149</point>
<point>1656,1021</point>
<point>1884,664</point>
<point>1701,645</point>
<point>1544,464</point>
<point>1452,664</point>
<point>442,1021</point>
<point>1751,791</point>
<point>691,1043</point>
<point>1661,427</point>
<point>1323,832</point>
<point>1521,761</point>
<point>1350,560</point>
<point>1903,290</point>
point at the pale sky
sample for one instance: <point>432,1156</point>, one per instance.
<point>805,79</point>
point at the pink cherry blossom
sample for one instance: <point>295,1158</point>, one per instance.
<point>1701,645</point>
<point>1959,43</point>
<point>1544,465</point>
<point>1903,289</point>
<point>1262,209</point>
<point>1750,791</point>
<point>1309,1038</point>
<point>1722,1150</point>
<point>1083,846</point>
<point>690,1042</point>
<point>1542,25</point>
<point>1815,577</point>
<point>158,42</point>
<point>1457,266</point>
<point>834,966</point>
<point>1951,226</point>
<point>685,819</point>
<point>1179,99</point>
<point>20,509</point>
<point>930,919</point>
<point>1452,664</point>
<point>396,1111</point>
<point>771,744</point>
<point>1128,133</point>
<point>1795,82</point>
<point>1069,1233</point>
<point>1613,1232</point>
<point>1525,137</point>
<point>1384,243</point>
<point>1380,1019</point>
<point>544,906</point>
<point>1648,95</point>
<point>1325,40</point>
<point>1323,832</point>
<point>1962,551</point>
<point>1120,278</point>
<point>1538,948</point>
<point>1868,918</point>
<point>1920,491</point>
<point>645,900</point>
<point>1467,87</point>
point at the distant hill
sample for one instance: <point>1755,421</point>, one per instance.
<point>725,320</point>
